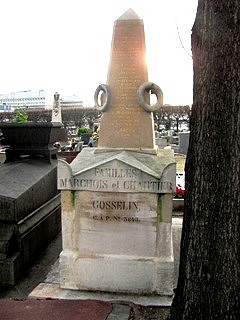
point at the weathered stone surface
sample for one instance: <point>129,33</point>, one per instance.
<point>116,222</point>
<point>6,240</point>
<point>119,171</point>
<point>126,274</point>
<point>26,239</point>
<point>118,242</point>
<point>25,185</point>
<point>117,198</point>
<point>29,214</point>
<point>121,216</point>
<point>125,124</point>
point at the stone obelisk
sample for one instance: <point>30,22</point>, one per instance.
<point>116,199</point>
<point>125,124</point>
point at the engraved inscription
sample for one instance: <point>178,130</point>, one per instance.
<point>115,173</point>
<point>117,205</point>
<point>111,210</point>
<point>128,59</point>
<point>120,179</point>
<point>115,218</point>
<point>82,184</point>
<point>124,186</point>
<point>131,124</point>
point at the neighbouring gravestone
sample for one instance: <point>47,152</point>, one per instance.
<point>62,137</point>
<point>183,142</point>
<point>29,214</point>
<point>29,198</point>
<point>56,112</point>
<point>117,198</point>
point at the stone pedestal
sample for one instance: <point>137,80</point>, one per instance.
<point>116,222</point>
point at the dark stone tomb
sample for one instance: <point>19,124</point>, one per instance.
<point>29,214</point>
<point>29,199</point>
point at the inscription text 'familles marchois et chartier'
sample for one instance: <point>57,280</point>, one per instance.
<point>116,179</point>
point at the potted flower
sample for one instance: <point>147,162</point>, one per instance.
<point>85,134</point>
<point>29,138</point>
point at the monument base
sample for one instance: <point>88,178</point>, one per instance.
<point>50,288</point>
<point>117,222</point>
<point>46,290</point>
<point>120,273</point>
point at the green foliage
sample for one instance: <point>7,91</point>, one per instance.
<point>167,138</point>
<point>83,130</point>
<point>21,116</point>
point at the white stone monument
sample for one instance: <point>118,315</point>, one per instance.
<point>117,198</point>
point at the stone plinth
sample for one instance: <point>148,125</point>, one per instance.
<point>116,222</point>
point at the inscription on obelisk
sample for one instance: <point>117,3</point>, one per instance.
<point>125,124</point>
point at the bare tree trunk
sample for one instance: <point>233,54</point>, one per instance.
<point>209,275</point>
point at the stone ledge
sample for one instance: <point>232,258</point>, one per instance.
<point>53,291</point>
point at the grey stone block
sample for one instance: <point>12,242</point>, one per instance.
<point>24,187</point>
<point>6,240</point>
<point>34,233</point>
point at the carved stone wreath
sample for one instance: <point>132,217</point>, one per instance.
<point>155,89</point>
<point>102,88</point>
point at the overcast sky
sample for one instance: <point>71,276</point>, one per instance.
<point>64,46</point>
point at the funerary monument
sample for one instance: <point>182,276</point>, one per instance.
<point>29,198</point>
<point>56,113</point>
<point>117,199</point>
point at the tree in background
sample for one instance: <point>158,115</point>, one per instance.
<point>209,275</point>
<point>172,116</point>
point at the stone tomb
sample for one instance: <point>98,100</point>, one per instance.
<point>29,214</point>
<point>116,222</point>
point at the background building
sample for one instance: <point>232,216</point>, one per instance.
<point>35,99</point>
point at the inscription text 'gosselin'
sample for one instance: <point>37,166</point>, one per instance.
<point>110,210</point>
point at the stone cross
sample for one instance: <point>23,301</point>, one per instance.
<point>127,121</point>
